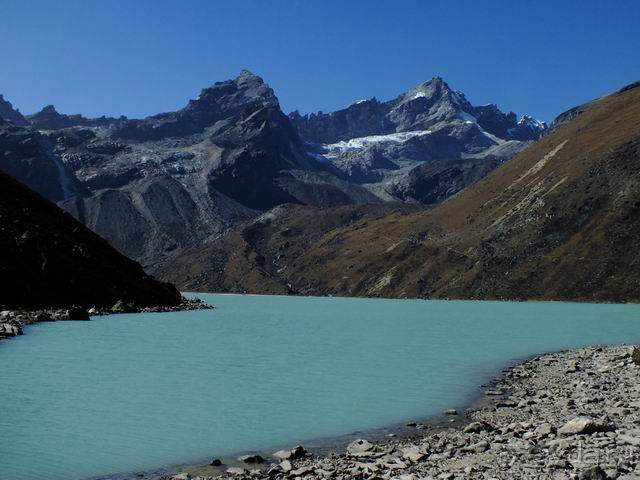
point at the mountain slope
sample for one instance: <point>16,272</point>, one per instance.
<point>559,221</point>
<point>48,259</point>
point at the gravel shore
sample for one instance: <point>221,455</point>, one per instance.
<point>567,415</point>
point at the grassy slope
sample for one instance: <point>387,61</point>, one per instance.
<point>559,221</point>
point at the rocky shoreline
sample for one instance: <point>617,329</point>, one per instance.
<point>568,415</point>
<point>13,321</point>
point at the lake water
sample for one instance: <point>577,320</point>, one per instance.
<point>137,392</point>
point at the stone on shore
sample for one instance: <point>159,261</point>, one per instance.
<point>236,471</point>
<point>252,458</point>
<point>475,427</point>
<point>583,426</point>
<point>295,453</point>
<point>359,447</point>
<point>635,355</point>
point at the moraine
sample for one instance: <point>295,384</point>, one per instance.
<point>136,392</point>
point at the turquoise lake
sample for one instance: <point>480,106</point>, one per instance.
<point>137,392</point>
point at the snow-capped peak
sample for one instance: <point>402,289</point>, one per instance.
<point>531,122</point>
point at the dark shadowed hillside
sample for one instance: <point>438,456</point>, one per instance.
<point>559,221</point>
<point>48,259</point>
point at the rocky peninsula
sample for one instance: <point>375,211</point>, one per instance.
<point>12,321</point>
<point>567,415</point>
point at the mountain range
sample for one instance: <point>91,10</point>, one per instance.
<point>169,183</point>
<point>559,221</point>
<point>424,195</point>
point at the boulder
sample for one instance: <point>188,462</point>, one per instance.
<point>8,330</point>
<point>301,471</point>
<point>253,458</point>
<point>216,462</point>
<point>544,430</point>
<point>283,454</point>
<point>296,452</point>
<point>475,427</point>
<point>583,426</point>
<point>121,307</point>
<point>359,447</point>
<point>286,466</point>
<point>413,453</point>
<point>451,411</point>
<point>593,473</point>
<point>236,471</point>
<point>635,356</point>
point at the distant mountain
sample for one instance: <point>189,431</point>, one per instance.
<point>48,259</point>
<point>387,145</point>
<point>560,221</point>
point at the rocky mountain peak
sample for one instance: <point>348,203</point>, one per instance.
<point>239,97</point>
<point>7,112</point>
<point>49,110</point>
<point>231,95</point>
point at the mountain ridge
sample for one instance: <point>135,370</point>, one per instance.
<point>559,221</point>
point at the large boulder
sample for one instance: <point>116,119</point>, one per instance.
<point>360,447</point>
<point>584,426</point>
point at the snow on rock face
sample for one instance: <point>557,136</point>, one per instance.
<point>363,142</point>
<point>532,122</point>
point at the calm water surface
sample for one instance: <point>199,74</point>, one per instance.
<point>136,392</point>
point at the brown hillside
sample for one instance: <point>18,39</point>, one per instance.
<point>559,221</point>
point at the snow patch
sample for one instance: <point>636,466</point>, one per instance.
<point>362,142</point>
<point>364,100</point>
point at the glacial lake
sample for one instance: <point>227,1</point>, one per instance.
<point>136,392</point>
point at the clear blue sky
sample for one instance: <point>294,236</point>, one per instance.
<point>138,57</point>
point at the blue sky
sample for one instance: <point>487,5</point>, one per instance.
<point>142,57</point>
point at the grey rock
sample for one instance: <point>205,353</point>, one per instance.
<point>583,426</point>
<point>236,471</point>
<point>359,447</point>
<point>251,458</point>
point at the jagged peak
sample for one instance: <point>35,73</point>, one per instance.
<point>532,122</point>
<point>244,74</point>
<point>48,109</point>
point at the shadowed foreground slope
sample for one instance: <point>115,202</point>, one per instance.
<point>48,259</point>
<point>560,221</point>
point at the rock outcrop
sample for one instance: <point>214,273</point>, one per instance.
<point>7,112</point>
